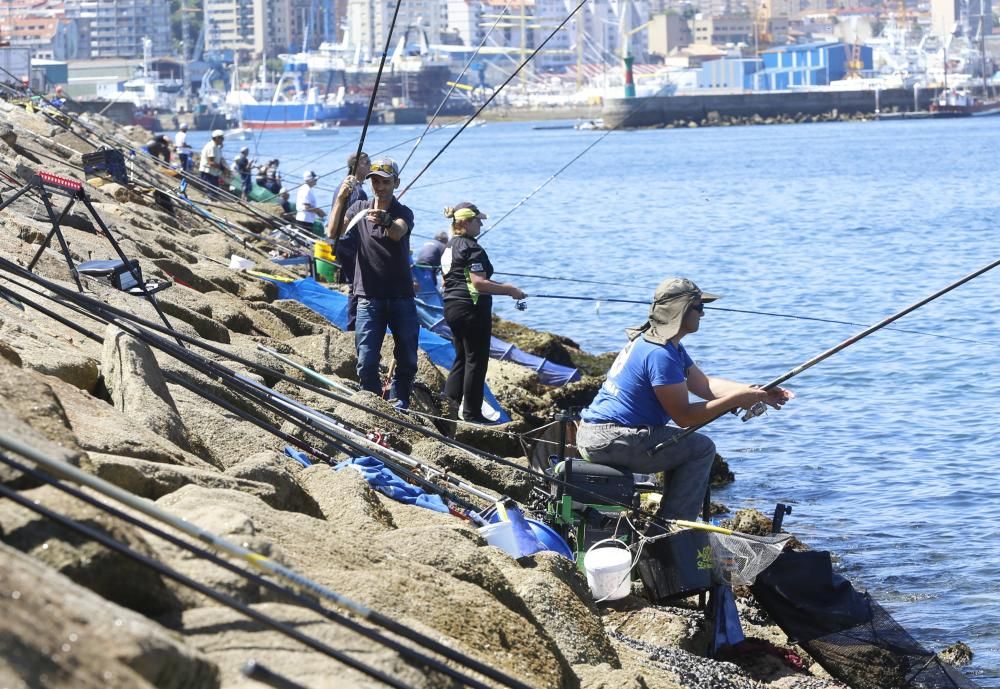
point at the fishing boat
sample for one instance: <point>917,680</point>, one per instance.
<point>961,103</point>
<point>413,74</point>
<point>320,129</point>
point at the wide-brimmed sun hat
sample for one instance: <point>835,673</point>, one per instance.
<point>670,302</point>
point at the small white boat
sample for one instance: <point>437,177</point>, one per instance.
<point>238,134</point>
<point>589,124</point>
<point>320,129</point>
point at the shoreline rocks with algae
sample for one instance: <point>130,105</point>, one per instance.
<point>74,615</point>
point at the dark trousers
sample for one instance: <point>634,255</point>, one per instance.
<point>472,327</point>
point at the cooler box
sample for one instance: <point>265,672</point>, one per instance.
<point>676,566</point>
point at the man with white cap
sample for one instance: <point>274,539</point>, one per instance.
<point>306,208</point>
<point>649,385</point>
<point>382,280</point>
<point>183,148</point>
<point>213,166</point>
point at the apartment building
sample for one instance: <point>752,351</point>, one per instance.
<point>47,33</point>
<point>116,28</point>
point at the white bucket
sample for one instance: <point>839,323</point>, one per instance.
<point>608,570</point>
<point>501,535</point>
<point>237,262</point>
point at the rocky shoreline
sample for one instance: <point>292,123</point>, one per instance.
<point>74,614</point>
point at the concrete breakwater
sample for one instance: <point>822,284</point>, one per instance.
<point>76,615</point>
<point>662,111</point>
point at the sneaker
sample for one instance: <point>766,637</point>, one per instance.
<point>478,419</point>
<point>402,405</point>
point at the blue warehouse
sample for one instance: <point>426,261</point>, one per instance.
<point>809,64</point>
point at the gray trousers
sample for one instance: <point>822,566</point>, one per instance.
<point>686,465</point>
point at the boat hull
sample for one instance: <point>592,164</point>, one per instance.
<point>299,115</point>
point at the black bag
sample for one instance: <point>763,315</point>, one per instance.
<point>676,566</point>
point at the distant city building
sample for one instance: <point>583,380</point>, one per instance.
<point>116,28</point>
<point>42,27</point>
<point>961,17</point>
<point>368,23</point>
<point>723,30</point>
<point>667,33</point>
<point>229,25</point>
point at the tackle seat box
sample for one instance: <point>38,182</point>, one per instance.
<point>591,484</point>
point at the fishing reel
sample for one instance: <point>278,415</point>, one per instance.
<point>521,305</point>
<point>756,409</point>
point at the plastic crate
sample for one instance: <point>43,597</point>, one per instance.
<point>108,163</point>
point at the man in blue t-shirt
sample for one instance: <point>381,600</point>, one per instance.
<point>648,386</point>
<point>382,281</point>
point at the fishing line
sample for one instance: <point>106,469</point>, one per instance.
<point>454,85</point>
<point>756,313</point>
<point>545,183</point>
<point>757,410</point>
<point>495,93</point>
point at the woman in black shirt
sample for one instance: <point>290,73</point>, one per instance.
<point>468,307</point>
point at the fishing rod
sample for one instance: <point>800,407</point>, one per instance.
<point>358,441</point>
<point>342,210</point>
<point>454,84</point>
<point>307,419</point>
<point>221,598</point>
<point>369,446</point>
<point>758,408</point>
<point>495,93</point>
<point>755,313</point>
<point>309,602</point>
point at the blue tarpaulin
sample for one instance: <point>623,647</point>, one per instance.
<point>390,485</point>
<point>430,309</point>
<point>332,305</point>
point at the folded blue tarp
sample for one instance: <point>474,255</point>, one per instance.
<point>430,309</point>
<point>332,305</point>
<point>390,485</point>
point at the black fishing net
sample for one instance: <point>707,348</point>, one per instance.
<point>845,631</point>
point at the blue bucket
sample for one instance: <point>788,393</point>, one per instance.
<point>549,537</point>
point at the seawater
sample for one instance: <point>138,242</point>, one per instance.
<point>888,455</point>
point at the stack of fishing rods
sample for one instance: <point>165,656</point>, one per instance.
<point>334,435</point>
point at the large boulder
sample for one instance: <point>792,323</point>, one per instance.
<point>106,572</point>
<point>136,386</point>
<point>283,475</point>
<point>59,635</point>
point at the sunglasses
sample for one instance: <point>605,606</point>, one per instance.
<point>384,167</point>
<point>700,308</point>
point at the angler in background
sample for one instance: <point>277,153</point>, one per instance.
<point>183,148</point>
<point>244,166</point>
<point>347,245</point>
<point>159,147</point>
<point>287,212</point>
<point>272,180</point>
<point>468,309</point>
<point>213,166</point>
<point>430,253</point>
<point>307,209</point>
<point>382,280</point>
<point>648,386</point>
